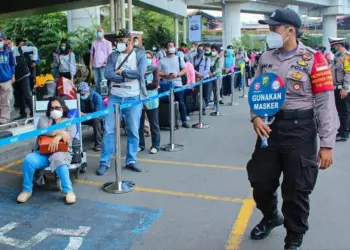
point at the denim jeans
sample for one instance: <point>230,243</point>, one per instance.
<point>180,98</point>
<point>132,116</point>
<point>36,161</point>
<point>153,118</point>
<point>99,75</point>
<point>207,89</point>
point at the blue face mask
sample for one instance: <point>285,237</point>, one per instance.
<point>99,34</point>
<point>84,97</point>
<point>199,52</point>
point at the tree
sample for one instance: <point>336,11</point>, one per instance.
<point>44,31</point>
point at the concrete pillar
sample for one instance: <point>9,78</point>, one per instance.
<point>112,14</point>
<point>69,21</point>
<point>185,30</point>
<point>86,17</point>
<point>232,22</point>
<point>130,15</point>
<point>329,29</point>
<point>122,16</point>
<point>176,31</point>
<point>224,18</point>
<point>117,11</point>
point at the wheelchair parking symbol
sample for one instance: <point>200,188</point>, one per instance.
<point>75,236</point>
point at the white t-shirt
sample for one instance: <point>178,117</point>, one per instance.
<point>130,88</point>
<point>171,65</point>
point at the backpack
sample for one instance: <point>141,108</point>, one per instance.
<point>215,66</point>
<point>196,67</point>
<point>184,77</point>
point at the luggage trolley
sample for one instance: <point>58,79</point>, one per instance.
<point>75,168</point>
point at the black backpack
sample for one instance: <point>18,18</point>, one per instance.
<point>184,77</point>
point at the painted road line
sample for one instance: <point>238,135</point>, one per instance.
<point>151,190</point>
<point>240,225</point>
<point>168,192</point>
<point>10,165</point>
<point>182,163</point>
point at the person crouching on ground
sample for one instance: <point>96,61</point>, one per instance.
<point>91,102</point>
<point>151,107</point>
<point>58,162</point>
<point>125,70</point>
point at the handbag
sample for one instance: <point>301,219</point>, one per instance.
<point>44,141</point>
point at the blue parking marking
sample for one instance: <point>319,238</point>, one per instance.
<point>45,222</point>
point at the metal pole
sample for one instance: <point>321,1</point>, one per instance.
<point>131,26</point>
<point>112,14</point>
<point>118,186</point>
<point>200,125</point>
<point>185,30</point>
<point>218,84</point>
<point>122,8</point>
<point>232,103</point>
<point>176,31</point>
<point>243,84</point>
<point>172,147</point>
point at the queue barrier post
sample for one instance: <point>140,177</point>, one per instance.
<point>217,102</point>
<point>119,186</point>
<point>243,80</point>
<point>172,147</point>
<point>232,102</point>
<point>200,124</point>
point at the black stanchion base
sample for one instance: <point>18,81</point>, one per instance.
<point>232,104</point>
<point>172,147</point>
<point>217,113</point>
<point>201,126</point>
<point>113,187</point>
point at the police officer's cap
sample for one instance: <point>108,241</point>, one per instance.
<point>283,17</point>
<point>335,40</point>
<point>123,33</point>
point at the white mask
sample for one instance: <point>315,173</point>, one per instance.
<point>214,53</point>
<point>56,114</point>
<point>275,40</point>
<point>121,47</point>
<point>171,51</point>
<point>2,44</point>
<point>136,43</point>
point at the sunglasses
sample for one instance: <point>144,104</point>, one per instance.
<point>55,108</point>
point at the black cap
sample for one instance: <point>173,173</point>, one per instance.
<point>123,33</point>
<point>282,17</point>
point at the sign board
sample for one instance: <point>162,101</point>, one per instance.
<point>195,28</point>
<point>267,94</point>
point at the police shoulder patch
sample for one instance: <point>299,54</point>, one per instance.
<point>307,57</point>
<point>302,63</point>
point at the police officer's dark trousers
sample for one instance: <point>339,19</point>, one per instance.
<point>343,106</point>
<point>292,152</point>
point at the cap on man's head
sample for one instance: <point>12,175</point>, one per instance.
<point>84,88</point>
<point>335,40</point>
<point>123,33</point>
<point>2,36</point>
<point>229,47</point>
<point>284,16</point>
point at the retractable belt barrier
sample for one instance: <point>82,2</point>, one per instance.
<point>119,186</point>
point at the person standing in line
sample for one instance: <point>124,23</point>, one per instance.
<point>23,96</point>
<point>151,107</point>
<point>100,50</point>
<point>341,77</point>
<point>125,70</point>
<point>67,66</point>
<point>308,111</point>
<point>7,78</point>
<point>215,70</point>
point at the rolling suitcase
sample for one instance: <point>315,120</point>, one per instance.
<point>164,115</point>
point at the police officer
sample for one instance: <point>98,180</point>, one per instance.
<point>292,148</point>
<point>341,78</point>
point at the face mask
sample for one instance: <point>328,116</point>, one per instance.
<point>149,62</point>
<point>56,114</point>
<point>200,52</point>
<point>2,44</point>
<point>275,40</point>
<point>208,53</point>
<point>154,48</point>
<point>63,48</point>
<point>214,53</point>
<point>99,34</point>
<point>171,51</point>
<point>84,97</point>
<point>136,43</point>
<point>121,47</point>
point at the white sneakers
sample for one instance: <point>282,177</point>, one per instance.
<point>153,151</point>
<point>24,196</point>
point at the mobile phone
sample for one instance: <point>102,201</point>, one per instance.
<point>171,73</point>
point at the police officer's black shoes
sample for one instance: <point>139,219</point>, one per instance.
<point>293,241</point>
<point>263,229</point>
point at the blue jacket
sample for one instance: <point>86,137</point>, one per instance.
<point>7,64</point>
<point>138,74</point>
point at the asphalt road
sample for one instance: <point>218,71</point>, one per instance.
<point>196,199</point>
